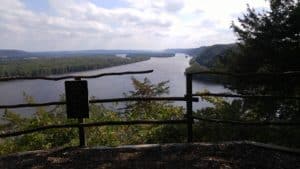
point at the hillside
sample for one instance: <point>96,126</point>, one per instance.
<point>210,54</point>
<point>190,51</point>
<point>205,55</point>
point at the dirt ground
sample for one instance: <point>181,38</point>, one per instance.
<point>246,155</point>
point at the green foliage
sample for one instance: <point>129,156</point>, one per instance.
<point>210,55</point>
<point>150,110</point>
<point>147,109</point>
<point>269,41</point>
<point>105,135</point>
<point>236,110</point>
<point>41,140</point>
<point>140,134</point>
<point>222,109</point>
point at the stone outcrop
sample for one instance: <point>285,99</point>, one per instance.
<point>231,155</point>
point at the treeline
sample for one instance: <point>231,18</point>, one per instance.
<point>60,65</point>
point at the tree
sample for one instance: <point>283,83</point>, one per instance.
<point>269,41</point>
<point>152,110</point>
<point>236,110</point>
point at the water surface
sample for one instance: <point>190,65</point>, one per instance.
<point>168,68</point>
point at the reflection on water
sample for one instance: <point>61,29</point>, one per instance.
<point>170,68</point>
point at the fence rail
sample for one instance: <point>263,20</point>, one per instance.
<point>194,99</point>
<point>243,123</point>
<point>290,73</point>
<point>95,124</point>
<point>189,98</point>
<point>247,96</point>
<point>75,77</point>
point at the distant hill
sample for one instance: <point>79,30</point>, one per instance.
<point>6,53</point>
<point>210,54</point>
<point>190,51</point>
<point>207,59</point>
<point>10,54</point>
<point>205,55</point>
<point>97,52</point>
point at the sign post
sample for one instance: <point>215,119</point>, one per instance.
<point>77,104</point>
<point>189,107</point>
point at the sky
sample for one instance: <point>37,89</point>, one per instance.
<point>48,25</point>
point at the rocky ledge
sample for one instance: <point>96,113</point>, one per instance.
<point>230,155</point>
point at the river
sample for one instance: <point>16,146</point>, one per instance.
<point>167,68</point>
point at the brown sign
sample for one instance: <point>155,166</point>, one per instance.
<point>77,99</point>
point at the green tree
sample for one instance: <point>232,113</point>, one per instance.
<point>236,110</point>
<point>268,41</point>
<point>152,110</point>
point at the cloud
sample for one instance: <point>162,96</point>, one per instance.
<point>143,24</point>
<point>171,6</point>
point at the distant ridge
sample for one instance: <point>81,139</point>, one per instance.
<point>8,53</point>
<point>211,54</point>
<point>13,53</point>
<point>190,51</point>
<point>203,55</point>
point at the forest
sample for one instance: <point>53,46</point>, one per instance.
<point>43,66</point>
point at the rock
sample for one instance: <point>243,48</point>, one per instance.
<point>230,155</point>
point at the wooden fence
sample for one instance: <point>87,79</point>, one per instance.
<point>189,98</point>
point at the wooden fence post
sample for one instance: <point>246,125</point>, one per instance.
<point>81,133</point>
<point>189,107</point>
